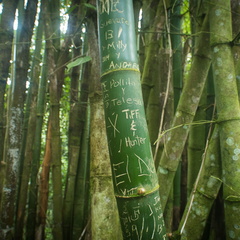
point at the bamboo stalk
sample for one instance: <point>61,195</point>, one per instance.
<point>14,135</point>
<point>184,115</point>
<point>204,192</point>
<point>33,190</point>
<point>134,177</point>
<point>227,102</point>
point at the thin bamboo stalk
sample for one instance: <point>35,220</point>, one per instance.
<point>204,192</point>
<point>103,205</point>
<point>81,216</point>
<point>52,26</point>
<point>44,188</point>
<point>30,120</point>
<point>184,115</point>
<point>78,106</point>
<point>33,189</point>
<point>6,36</point>
<point>151,49</point>
<point>13,139</point>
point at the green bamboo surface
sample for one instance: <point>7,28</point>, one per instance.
<point>228,110</point>
<point>16,104</point>
<point>204,192</point>
<point>27,164</point>
<point>33,189</point>
<point>134,177</point>
<point>184,115</point>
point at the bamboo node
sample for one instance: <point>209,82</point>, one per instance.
<point>140,192</point>
<point>219,121</point>
<point>118,70</point>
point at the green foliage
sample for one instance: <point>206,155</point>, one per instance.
<point>186,22</point>
<point>88,5</point>
<point>78,62</point>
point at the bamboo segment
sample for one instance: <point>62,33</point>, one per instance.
<point>134,177</point>
<point>184,115</point>
<point>6,28</point>
<point>228,112</point>
<point>14,130</point>
<point>204,193</point>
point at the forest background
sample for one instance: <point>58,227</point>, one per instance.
<point>55,174</point>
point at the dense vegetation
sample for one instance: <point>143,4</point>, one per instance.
<point>55,173</point>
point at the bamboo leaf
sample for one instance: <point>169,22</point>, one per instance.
<point>90,6</point>
<point>78,62</point>
<point>70,9</point>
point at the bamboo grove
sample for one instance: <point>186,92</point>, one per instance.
<point>119,119</point>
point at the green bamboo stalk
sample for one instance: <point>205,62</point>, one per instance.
<point>176,43</point>
<point>137,4</point>
<point>78,106</point>
<point>81,215</point>
<point>30,120</point>
<point>54,119</point>
<point>134,177</point>
<point>104,218</point>
<point>196,142</point>
<point>228,110</point>
<point>44,188</point>
<point>197,134</point>
<point>184,115</point>
<point>153,108</point>
<point>33,188</point>
<point>156,99</point>
<point>6,36</point>
<point>152,48</point>
<point>148,13</point>
<point>13,138</point>
<point>81,114</point>
<point>236,48</point>
<point>177,75</point>
<point>204,192</point>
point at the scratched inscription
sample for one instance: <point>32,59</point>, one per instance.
<point>123,173</point>
<point>129,145</point>
<point>116,46</point>
<point>143,219</point>
<point>108,6</point>
<point>127,132</point>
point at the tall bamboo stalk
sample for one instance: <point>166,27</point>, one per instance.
<point>184,114</point>
<point>228,110</point>
<point>33,188</point>
<point>177,75</point>
<point>236,49</point>
<point>52,26</point>
<point>81,216</point>
<point>6,39</point>
<point>103,205</point>
<point>44,188</point>
<point>151,50</point>
<point>13,140</point>
<point>134,177</point>
<point>196,142</point>
<point>30,120</point>
<point>204,192</point>
<point>148,13</point>
<point>78,106</point>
